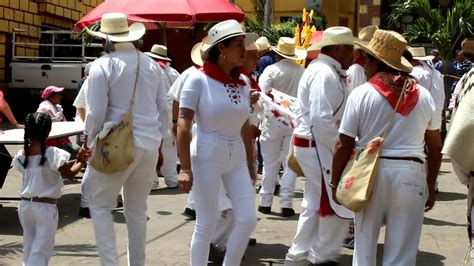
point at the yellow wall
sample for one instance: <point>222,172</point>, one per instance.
<point>335,11</point>
<point>30,15</point>
<point>281,8</point>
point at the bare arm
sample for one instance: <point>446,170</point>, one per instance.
<point>433,147</point>
<point>183,141</point>
<point>9,115</point>
<point>247,134</point>
<point>342,154</point>
<point>70,170</point>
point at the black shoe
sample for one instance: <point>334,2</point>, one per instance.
<point>277,189</point>
<point>84,212</point>
<point>287,212</point>
<point>265,210</point>
<point>252,242</point>
<point>215,255</point>
<point>190,213</point>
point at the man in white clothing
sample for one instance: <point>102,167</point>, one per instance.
<point>322,94</point>
<point>355,73</point>
<point>170,155</point>
<point>116,80</point>
<point>275,137</point>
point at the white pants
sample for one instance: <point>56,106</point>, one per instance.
<point>170,159</point>
<point>136,181</point>
<point>398,201</point>
<point>39,221</point>
<point>275,146</point>
<point>287,189</point>
<point>217,161</point>
<point>225,224</point>
<point>86,192</point>
<point>318,239</point>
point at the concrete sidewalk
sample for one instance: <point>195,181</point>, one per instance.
<point>443,241</point>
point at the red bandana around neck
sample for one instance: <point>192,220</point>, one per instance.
<point>390,86</point>
<point>162,63</point>
<point>213,71</point>
<point>359,60</point>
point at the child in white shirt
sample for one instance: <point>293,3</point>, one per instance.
<point>42,168</point>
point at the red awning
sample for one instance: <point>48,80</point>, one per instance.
<point>169,13</point>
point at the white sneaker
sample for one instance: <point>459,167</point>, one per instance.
<point>156,185</point>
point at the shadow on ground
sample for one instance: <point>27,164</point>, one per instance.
<point>449,196</point>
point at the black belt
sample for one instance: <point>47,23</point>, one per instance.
<point>413,159</point>
<point>43,200</point>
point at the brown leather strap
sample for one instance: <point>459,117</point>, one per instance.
<point>413,159</point>
<point>43,200</point>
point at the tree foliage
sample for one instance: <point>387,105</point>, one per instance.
<point>444,29</point>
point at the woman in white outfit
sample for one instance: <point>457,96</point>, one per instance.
<point>404,187</point>
<point>221,151</point>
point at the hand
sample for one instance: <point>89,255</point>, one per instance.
<point>84,154</point>
<point>20,126</point>
<point>254,96</point>
<point>185,179</point>
<point>430,202</point>
<point>253,175</point>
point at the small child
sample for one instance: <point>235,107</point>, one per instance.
<point>42,168</point>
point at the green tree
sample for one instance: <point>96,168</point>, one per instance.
<point>445,29</point>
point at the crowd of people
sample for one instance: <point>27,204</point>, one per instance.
<point>209,121</point>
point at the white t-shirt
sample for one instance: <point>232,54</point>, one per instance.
<point>284,76</point>
<point>41,181</point>
<point>80,101</point>
<point>355,77</point>
<point>175,90</point>
<point>220,109</point>
<point>432,80</point>
<point>368,112</point>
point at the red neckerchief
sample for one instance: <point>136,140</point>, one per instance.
<point>162,63</point>
<point>253,83</point>
<point>359,60</point>
<point>213,71</point>
<point>390,86</point>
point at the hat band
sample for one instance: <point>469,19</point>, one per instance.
<point>289,51</point>
<point>227,36</point>
<point>116,32</point>
<point>162,55</point>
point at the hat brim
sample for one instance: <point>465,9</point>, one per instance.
<point>135,32</point>
<point>424,58</point>
<point>300,53</point>
<point>156,56</point>
<point>328,42</point>
<point>403,65</point>
<point>249,38</point>
<point>196,54</point>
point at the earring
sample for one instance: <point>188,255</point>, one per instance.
<point>222,56</point>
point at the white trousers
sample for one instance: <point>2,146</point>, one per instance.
<point>86,193</point>
<point>136,181</point>
<point>287,189</point>
<point>318,239</point>
<point>39,222</point>
<point>398,201</point>
<point>225,224</point>
<point>275,146</point>
<point>217,161</point>
<point>170,159</point>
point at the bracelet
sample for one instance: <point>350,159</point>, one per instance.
<point>185,171</point>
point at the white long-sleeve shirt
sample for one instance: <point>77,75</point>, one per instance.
<point>355,77</point>
<point>112,79</point>
<point>322,95</point>
<point>432,80</point>
<point>283,76</point>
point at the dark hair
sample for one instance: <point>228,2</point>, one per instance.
<point>214,52</point>
<point>37,125</point>
<point>408,56</point>
<point>328,48</point>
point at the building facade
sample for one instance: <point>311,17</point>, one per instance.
<point>32,16</point>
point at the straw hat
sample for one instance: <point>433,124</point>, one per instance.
<point>262,43</point>
<point>468,46</point>
<point>388,46</point>
<point>159,52</point>
<point>196,52</point>
<point>366,34</point>
<point>225,30</point>
<point>334,36</point>
<point>287,48</point>
<point>419,53</point>
<point>114,26</point>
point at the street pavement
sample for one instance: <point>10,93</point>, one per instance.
<point>443,241</point>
